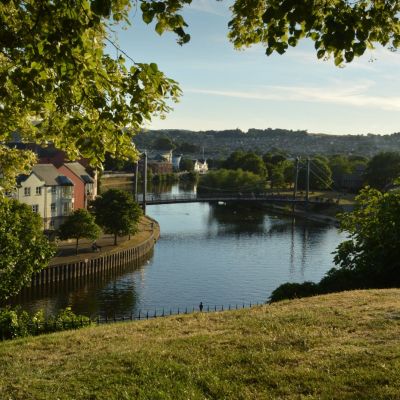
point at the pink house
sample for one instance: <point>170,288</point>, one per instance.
<point>85,187</point>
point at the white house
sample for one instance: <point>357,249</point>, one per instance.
<point>200,166</point>
<point>49,193</point>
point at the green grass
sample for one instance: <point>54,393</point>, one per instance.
<point>340,346</point>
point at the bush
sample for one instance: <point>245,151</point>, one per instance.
<point>15,323</point>
<point>294,290</point>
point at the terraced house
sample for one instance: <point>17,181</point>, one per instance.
<point>48,192</point>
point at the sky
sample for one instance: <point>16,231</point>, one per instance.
<point>224,88</point>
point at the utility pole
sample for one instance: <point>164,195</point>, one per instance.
<point>307,181</point>
<point>144,181</point>
<point>136,180</point>
<point>296,177</point>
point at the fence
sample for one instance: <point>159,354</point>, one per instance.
<point>60,324</point>
<point>165,312</point>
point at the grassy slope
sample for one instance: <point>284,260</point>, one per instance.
<point>338,346</point>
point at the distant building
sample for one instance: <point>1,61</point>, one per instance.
<point>176,160</point>
<point>85,185</point>
<point>200,166</point>
<point>48,192</point>
<point>160,163</point>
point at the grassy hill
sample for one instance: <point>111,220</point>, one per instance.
<point>339,346</point>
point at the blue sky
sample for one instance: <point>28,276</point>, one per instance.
<point>225,89</point>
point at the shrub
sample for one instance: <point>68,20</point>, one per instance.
<point>15,323</point>
<point>294,290</point>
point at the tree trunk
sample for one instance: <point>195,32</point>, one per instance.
<point>115,239</point>
<point>76,249</point>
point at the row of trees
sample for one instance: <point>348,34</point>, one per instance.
<point>327,172</point>
<point>115,212</point>
<point>234,181</point>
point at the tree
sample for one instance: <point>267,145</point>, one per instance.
<point>117,213</point>
<point>370,256</point>
<point>186,147</point>
<point>23,247</point>
<point>382,169</point>
<point>164,143</point>
<point>340,166</point>
<point>225,181</point>
<point>320,174</point>
<point>88,103</point>
<point>247,162</point>
<point>340,28</point>
<point>59,85</point>
<point>80,224</point>
<point>253,163</point>
<point>277,176</point>
<point>186,164</point>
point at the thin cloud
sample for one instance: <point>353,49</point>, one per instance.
<point>352,95</point>
<point>208,6</point>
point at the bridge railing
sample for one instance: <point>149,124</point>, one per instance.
<point>225,196</point>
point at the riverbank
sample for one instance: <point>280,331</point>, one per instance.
<point>147,228</point>
<point>70,266</point>
<point>341,346</point>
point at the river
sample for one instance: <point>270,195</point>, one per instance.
<point>211,253</point>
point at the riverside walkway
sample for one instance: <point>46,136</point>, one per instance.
<point>66,249</point>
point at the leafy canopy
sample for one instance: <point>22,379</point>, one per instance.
<point>116,212</point>
<point>369,258</point>
<point>343,29</point>
<point>23,247</point>
<point>226,181</point>
<point>383,169</point>
<point>372,250</point>
<point>58,84</point>
<point>80,224</point>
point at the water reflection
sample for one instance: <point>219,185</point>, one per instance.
<point>210,253</point>
<point>106,294</point>
<point>236,218</point>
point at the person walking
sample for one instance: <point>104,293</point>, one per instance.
<point>201,306</point>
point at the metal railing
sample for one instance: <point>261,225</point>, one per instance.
<point>165,312</point>
<point>164,198</point>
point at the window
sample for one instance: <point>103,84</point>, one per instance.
<point>27,191</point>
<point>35,208</point>
<point>53,208</point>
<point>66,208</point>
<point>53,189</point>
<point>38,191</point>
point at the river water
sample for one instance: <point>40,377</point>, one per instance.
<point>211,253</point>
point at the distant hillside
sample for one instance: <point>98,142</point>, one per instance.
<point>222,143</point>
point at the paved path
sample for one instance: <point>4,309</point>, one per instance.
<point>66,249</point>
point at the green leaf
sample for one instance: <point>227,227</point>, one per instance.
<point>349,55</point>
<point>320,53</point>
<point>159,28</point>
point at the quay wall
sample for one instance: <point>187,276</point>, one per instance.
<point>96,265</point>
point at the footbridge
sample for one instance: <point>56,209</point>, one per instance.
<point>166,198</point>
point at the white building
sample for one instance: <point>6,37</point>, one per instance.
<point>200,166</point>
<point>49,193</point>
